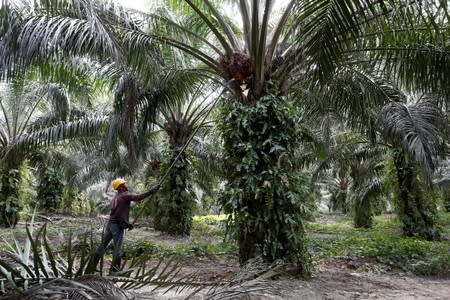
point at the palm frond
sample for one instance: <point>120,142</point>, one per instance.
<point>10,25</point>
<point>369,187</point>
<point>407,45</point>
<point>82,32</point>
<point>276,33</point>
<point>58,133</point>
<point>207,163</point>
<point>353,94</point>
<point>326,25</point>
<point>136,38</point>
<point>42,271</point>
<point>415,128</point>
<point>252,279</point>
<point>232,38</point>
<point>196,7</point>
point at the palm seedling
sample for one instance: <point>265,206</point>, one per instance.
<point>39,270</point>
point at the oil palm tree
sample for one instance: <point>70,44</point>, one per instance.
<point>309,43</point>
<point>355,168</point>
<point>396,121</point>
<point>416,130</point>
<point>123,66</point>
<point>366,171</point>
<point>180,121</point>
<point>414,127</point>
<point>32,118</point>
<point>171,95</point>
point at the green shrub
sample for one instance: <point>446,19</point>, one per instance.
<point>50,190</point>
<point>10,204</point>
<point>384,243</point>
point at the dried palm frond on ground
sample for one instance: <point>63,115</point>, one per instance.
<point>252,278</point>
<point>38,270</point>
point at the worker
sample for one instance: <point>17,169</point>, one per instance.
<point>119,221</point>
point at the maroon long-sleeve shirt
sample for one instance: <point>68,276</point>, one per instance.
<point>121,203</point>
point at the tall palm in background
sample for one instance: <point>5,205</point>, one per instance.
<point>137,81</point>
<point>356,169</point>
<point>416,130</point>
<point>180,121</point>
<point>305,49</point>
<point>366,171</point>
<point>32,117</point>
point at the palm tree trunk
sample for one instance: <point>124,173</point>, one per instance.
<point>362,206</point>
<point>447,202</point>
<point>363,217</point>
<point>264,195</point>
<point>417,212</point>
<point>10,205</point>
<point>176,205</point>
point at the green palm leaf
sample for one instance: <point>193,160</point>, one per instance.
<point>58,133</point>
<point>415,128</point>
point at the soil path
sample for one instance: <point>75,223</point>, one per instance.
<point>332,280</point>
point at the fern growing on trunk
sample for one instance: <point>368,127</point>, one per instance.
<point>265,196</point>
<point>176,202</point>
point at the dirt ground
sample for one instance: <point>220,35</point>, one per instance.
<point>333,279</point>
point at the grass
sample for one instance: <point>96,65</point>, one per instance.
<point>209,226</point>
<point>190,249</point>
<point>206,240</point>
<point>383,243</point>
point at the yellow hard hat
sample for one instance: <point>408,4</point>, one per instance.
<point>117,182</point>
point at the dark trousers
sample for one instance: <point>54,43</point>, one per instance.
<point>114,232</point>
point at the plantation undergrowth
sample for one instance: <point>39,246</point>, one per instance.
<point>379,249</point>
<point>384,244</point>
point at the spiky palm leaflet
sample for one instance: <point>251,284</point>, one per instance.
<point>39,270</point>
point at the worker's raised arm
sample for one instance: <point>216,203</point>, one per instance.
<point>142,196</point>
